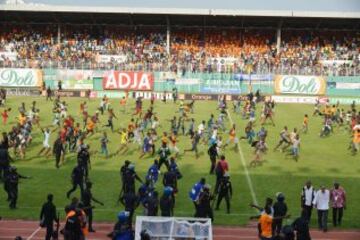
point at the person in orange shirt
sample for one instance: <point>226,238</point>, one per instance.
<point>265,224</point>
<point>22,119</point>
<point>356,141</point>
<point>90,127</point>
<point>123,102</point>
<point>305,127</point>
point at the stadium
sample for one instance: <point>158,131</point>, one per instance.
<point>180,120</point>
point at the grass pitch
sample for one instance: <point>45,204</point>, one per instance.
<point>322,160</point>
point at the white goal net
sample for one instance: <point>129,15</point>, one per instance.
<point>171,228</point>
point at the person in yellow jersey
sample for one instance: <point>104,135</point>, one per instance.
<point>305,126</point>
<point>356,141</point>
<point>123,141</point>
<point>232,138</point>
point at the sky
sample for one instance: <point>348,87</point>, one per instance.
<point>296,5</point>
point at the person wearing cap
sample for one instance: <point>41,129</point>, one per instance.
<point>224,191</point>
<point>321,203</point>
<point>280,210</point>
<point>86,199</point>
<point>167,203</point>
<point>48,216</point>
<point>204,209</point>
<point>338,202</point>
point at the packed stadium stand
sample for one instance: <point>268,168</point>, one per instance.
<point>196,43</point>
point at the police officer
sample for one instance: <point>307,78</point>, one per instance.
<point>83,159</point>
<point>224,191</point>
<point>58,151</point>
<point>123,170</point>
<point>170,180</point>
<point>12,181</point>
<point>212,151</point>
<point>204,209</point>
<point>130,177</point>
<point>86,199</point>
<point>48,216</point>
<point>122,229</point>
<point>151,204</point>
<point>130,202</point>
<point>77,179</point>
<point>4,160</point>
<point>167,203</point>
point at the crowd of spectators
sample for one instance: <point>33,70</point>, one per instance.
<point>191,49</point>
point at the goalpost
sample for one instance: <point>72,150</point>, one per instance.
<point>174,228</point>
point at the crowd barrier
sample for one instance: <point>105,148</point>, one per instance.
<point>101,81</point>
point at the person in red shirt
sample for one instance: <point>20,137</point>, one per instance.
<point>221,168</point>
<point>5,116</point>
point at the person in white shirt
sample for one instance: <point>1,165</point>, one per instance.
<point>321,203</point>
<point>307,198</point>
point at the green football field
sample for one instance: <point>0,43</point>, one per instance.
<point>322,160</point>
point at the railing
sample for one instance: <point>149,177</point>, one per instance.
<point>183,67</point>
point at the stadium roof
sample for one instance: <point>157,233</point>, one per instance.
<point>273,8</point>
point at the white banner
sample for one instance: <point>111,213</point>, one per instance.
<point>298,84</point>
<point>12,56</point>
<point>111,58</point>
<point>187,81</point>
<point>341,85</point>
<point>294,99</point>
<point>20,77</point>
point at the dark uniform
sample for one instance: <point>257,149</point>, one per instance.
<point>213,155</point>
<point>224,191</point>
<point>12,182</point>
<point>77,179</point>
<point>130,177</point>
<point>167,205</point>
<point>48,216</point>
<point>86,199</point>
<point>4,160</point>
<point>204,209</point>
<point>58,150</point>
<point>83,159</point>
<point>301,226</point>
<point>130,202</point>
<point>152,204</point>
<point>280,210</point>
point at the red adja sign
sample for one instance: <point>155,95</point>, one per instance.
<point>137,81</point>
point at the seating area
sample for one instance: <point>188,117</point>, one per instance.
<point>190,50</point>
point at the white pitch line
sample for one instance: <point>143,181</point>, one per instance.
<point>247,175</point>
<point>34,233</point>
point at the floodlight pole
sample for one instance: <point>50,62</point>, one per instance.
<point>168,35</point>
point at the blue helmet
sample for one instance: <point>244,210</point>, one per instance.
<point>123,216</point>
<point>168,191</point>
